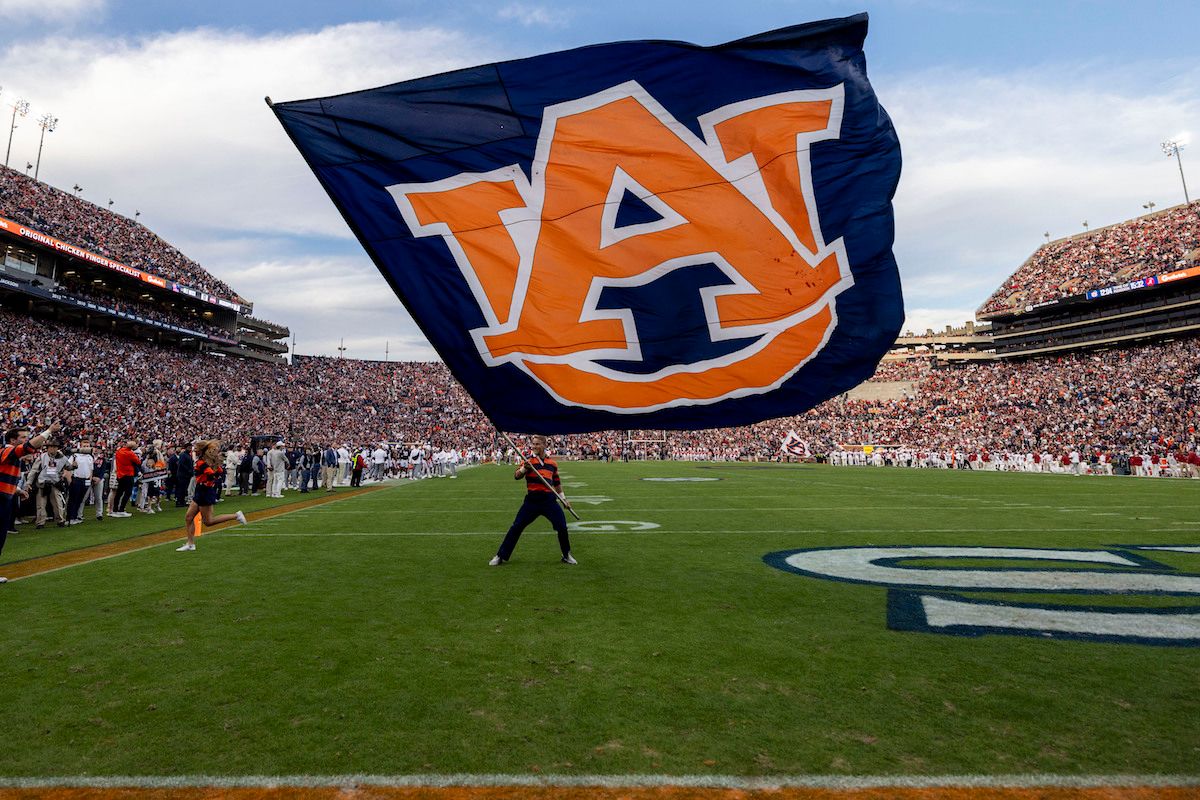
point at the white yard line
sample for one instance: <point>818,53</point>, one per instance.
<point>235,533</point>
<point>844,508</point>
<point>208,535</point>
<point>608,781</point>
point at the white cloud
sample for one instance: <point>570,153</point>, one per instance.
<point>330,300</point>
<point>992,162</point>
<point>13,11</point>
<point>918,320</point>
<point>175,126</point>
<point>534,16</point>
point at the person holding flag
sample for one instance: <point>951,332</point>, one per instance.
<point>543,489</point>
<point>17,445</point>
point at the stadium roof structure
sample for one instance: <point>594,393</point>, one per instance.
<point>1017,294</point>
<point>1133,282</point>
<point>74,246</point>
<point>57,270</point>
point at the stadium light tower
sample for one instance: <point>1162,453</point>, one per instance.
<point>1149,206</point>
<point>1172,148</point>
<point>47,122</point>
<point>1085,226</point>
<point>342,349</point>
<point>1047,235</point>
<point>19,108</point>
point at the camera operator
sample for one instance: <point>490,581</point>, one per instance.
<point>83,468</point>
<point>52,477</point>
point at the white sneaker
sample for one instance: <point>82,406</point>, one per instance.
<point>185,549</point>
<point>496,561</point>
<point>569,559</point>
<point>241,518</point>
<point>74,521</point>
<point>3,580</point>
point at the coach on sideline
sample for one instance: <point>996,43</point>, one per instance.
<point>17,445</point>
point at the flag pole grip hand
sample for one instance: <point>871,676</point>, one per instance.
<point>529,466</point>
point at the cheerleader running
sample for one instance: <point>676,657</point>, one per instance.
<point>207,455</point>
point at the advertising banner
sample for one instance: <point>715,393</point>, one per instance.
<point>60,246</point>
<point>91,305</point>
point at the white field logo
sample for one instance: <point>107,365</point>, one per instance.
<point>925,597</point>
<point>538,253</point>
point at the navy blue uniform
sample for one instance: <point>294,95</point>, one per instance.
<point>206,484</point>
<point>539,502</point>
<point>185,471</point>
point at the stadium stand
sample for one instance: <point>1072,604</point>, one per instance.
<point>967,342</point>
<point>1163,242</point>
<point>1123,402</point>
<point>107,387</point>
<point>125,354</point>
<point>63,215</point>
<point>1133,282</point>
<point>65,258</point>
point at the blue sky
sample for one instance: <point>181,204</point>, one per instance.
<point>905,35</point>
<point>1015,118</point>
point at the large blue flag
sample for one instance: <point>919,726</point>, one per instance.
<point>631,235</point>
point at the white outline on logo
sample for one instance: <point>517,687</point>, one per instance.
<point>622,182</point>
<point>524,224</point>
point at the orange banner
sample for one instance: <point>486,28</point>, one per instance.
<point>1190,272</point>
<point>45,240</point>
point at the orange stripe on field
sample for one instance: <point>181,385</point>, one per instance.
<point>71,558</point>
<point>598,793</point>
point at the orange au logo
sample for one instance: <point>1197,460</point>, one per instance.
<point>537,253</point>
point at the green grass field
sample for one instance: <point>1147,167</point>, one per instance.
<point>370,636</point>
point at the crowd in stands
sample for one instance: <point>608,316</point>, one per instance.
<point>109,388</point>
<point>1142,401</point>
<point>909,369</point>
<point>262,321</point>
<point>97,293</point>
<point>1139,248</point>
<point>81,223</point>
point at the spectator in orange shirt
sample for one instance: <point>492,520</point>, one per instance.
<point>126,462</point>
